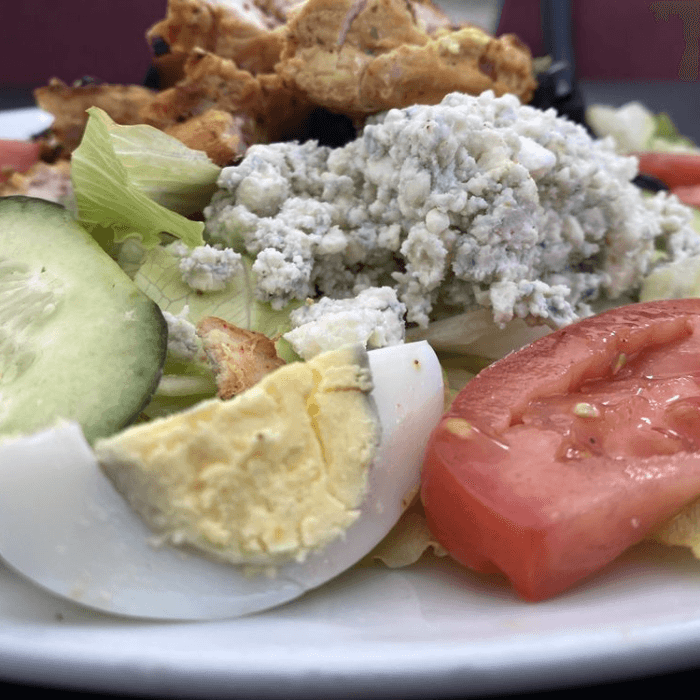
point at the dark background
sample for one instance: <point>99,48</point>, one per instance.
<point>42,39</point>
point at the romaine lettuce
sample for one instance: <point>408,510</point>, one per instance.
<point>187,380</point>
<point>635,128</point>
<point>138,181</point>
<point>160,278</point>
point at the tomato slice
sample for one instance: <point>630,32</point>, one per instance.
<point>688,194</point>
<point>557,458</point>
<point>673,169</point>
<point>17,156</point>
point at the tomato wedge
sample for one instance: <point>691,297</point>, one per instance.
<point>560,456</point>
<point>688,194</point>
<point>17,156</point>
<point>673,169</point>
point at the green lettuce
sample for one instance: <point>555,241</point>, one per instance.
<point>160,278</point>
<point>185,382</point>
<point>635,128</point>
<point>136,181</point>
<point>132,185</point>
<point>188,380</point>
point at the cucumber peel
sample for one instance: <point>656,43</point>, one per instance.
<point>78,339</point>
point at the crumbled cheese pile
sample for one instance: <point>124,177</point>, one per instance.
<point>374,318</point>
<point>207,268</point>
<point>182,335</point>
<point>476,201</point>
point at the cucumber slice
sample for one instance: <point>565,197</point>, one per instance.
<point>78,339</point>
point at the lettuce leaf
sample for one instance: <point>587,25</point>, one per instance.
<point>160,278</point>
<point>631,125</point>
<point>188,380</point>
<point>184,383</point>
<point>635,128</point>
<point>128,178</point>
<point>666,136</point>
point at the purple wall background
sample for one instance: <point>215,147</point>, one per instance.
<point>40,39</point>
<point>615,39</point>
<point>620,39</point>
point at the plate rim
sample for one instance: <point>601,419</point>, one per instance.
<point>21,123</point>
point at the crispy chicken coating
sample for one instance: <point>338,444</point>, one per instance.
<point>352,57</point>
<point>224,137</point>
<point>240,358</point>
<point>124,103</point>
<point>249,33</point>
<point>360,57</point>
<point>273,111</point>
<point>238,72</point>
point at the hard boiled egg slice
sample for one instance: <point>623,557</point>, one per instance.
<point>64,525</point>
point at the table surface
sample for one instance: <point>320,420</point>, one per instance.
<point>664,684</point>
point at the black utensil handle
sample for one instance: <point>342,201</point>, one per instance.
<point>557,37</point>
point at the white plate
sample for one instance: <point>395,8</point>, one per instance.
<point>430,630</point>
<point>23,123</point>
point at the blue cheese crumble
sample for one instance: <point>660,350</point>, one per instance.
<point>474,202</point>
<point>207,268</point>
<point>374,318</point>
<point>183,341</point>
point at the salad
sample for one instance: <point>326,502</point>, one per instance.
<point>476,223</point>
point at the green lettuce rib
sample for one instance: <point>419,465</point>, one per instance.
<point>133,181</point>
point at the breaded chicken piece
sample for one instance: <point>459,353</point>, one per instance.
<point>256,71</point>
<point>49,181</point>
<point>351,57</point>
<point>124,103</point>
<point>224,137</point>
<point>363,56</point>
<point>240,358</point>
<point>249,32</point>
<point>272,110</point>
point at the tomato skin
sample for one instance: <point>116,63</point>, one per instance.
<point>673,169</point>
<point>499,495</point>
<point>17,156</point>
<point>688,194</point>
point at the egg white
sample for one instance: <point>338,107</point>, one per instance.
<point>64,526</point>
